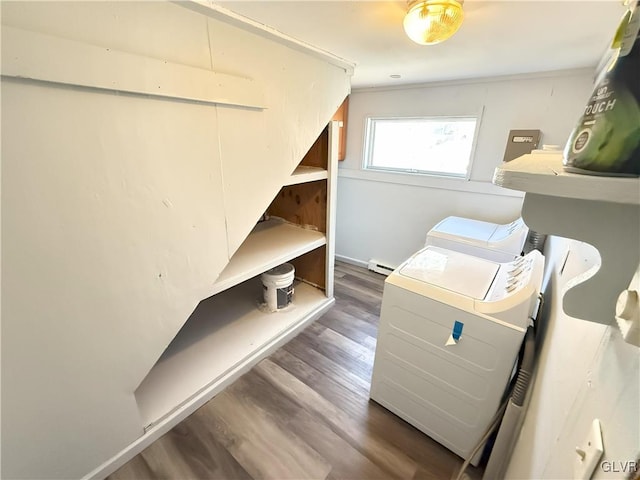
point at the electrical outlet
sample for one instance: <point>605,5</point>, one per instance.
<point>588,453</point>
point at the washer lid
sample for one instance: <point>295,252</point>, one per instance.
<point>458,272</point>
<point>464,230</point>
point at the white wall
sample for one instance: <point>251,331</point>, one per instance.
<point>120,210</point>
<point>381,217</point>
<point>585,371</point>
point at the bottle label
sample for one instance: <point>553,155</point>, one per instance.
<point>607,137</point>
<point>603,100</point>
<point>630,33</point>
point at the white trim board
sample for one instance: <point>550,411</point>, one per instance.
<point>352,261</point>
<point>209,9</point>
<point>429,181</point>
<point>332,186</point>
<point>477,80</point>
<point>36,56</point>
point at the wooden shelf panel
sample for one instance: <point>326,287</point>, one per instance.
<point>225,332</point>
<point>304,174</point>
<point>543,174</point>
<point>318,154</point>
<point>270,243</point>
<point>302,204</point>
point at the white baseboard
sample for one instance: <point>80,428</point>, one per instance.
<point>380,267</point>
<point>202,397</point>
<point>352,261</point>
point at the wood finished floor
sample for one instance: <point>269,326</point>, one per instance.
<point>304,412</point>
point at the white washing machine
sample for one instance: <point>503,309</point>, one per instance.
<point>450,330</point>
<point>492,241</point>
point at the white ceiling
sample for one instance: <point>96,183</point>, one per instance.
<point>496,38</point>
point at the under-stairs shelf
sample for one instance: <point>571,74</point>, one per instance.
<point>226,333</point>
<point>269,244</point>
<point>229,331</point>
<point>304,174</point>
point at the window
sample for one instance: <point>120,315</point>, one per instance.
<point>426,145</point>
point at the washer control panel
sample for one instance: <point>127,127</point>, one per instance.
<point>513,277</point>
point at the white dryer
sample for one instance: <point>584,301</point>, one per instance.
<point>500,243</point>
<point>451,326</point>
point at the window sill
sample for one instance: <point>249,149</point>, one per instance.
<point>429,181</point>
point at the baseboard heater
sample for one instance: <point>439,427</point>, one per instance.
<point>376,266</point>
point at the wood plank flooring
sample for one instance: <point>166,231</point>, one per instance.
<point>304,412</point>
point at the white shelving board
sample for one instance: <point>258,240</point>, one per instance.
<point>225,335</point>
<point>304,174</point>
<point>599,210</point>
<point>85,65</point>
<point>544,174</point>
<point>269,244</point>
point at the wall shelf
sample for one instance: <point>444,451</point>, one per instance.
<point>304,174</point>
<point>601,211</point>
<point>269,244</point>
<point>543,174</point>
<point>224,333</point>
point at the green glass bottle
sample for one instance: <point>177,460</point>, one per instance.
<point>606,140</point>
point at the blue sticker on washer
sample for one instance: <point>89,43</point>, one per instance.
<point>457,330</point>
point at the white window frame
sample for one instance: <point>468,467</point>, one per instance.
<point>369,138</point>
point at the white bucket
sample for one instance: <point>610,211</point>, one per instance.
<point>278,286</point>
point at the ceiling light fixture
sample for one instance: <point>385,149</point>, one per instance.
<point>432,21</point>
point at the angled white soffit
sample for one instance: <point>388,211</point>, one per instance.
<point>218,12</point>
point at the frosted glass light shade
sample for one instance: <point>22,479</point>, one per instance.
<point>432,21</point>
